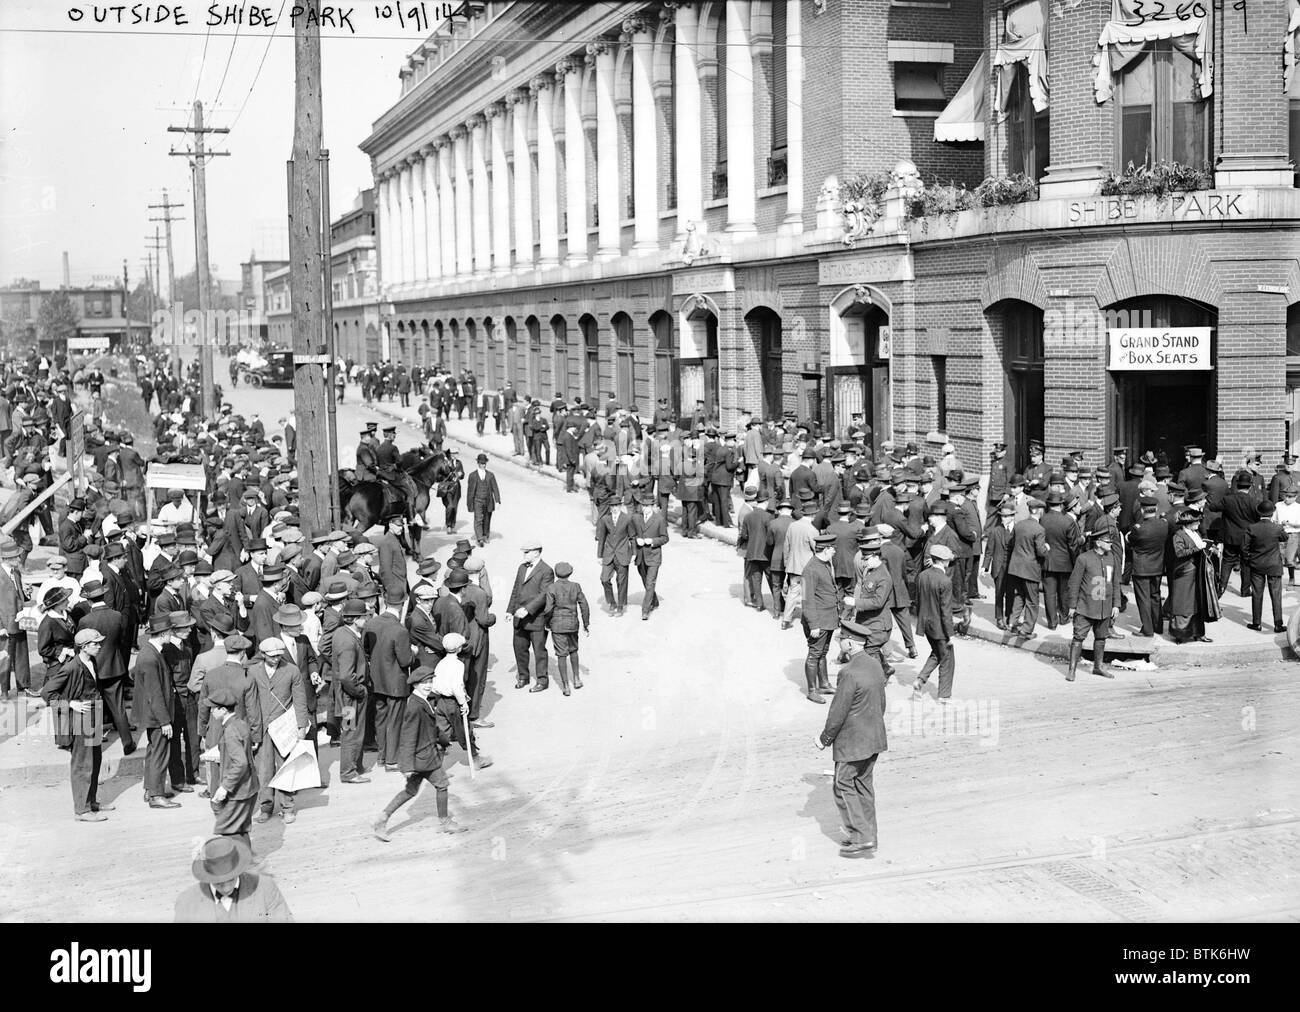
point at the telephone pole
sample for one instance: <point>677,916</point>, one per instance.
<point>126,308</point>
<point>154,248</point>
<point>309,263</point>
<point>198,170</point>
<point>167,207</point>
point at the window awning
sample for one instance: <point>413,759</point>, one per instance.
<point>1291,53</point>
<point>963,119</point>
<point>1129,32</point>
<point>1024,40</point>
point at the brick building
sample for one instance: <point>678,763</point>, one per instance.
<point>577,216</point>
<point>101,319</point>
<point>354,272</point>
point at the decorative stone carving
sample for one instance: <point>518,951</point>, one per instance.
<point>568,65</point>
<point>695,245</point>
<point>634,25</point>
<point>457,133</point>
<point>494,110</point>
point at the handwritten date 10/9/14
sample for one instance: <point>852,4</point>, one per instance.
<point>1179,10</point>
<point>417,15</point>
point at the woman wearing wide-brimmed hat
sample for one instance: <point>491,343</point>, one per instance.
<point>55,636</point>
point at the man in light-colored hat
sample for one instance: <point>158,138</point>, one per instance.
<point>527,607</point>
<point>934,622</point>
<point>226,891</point>
<point>280,686</point>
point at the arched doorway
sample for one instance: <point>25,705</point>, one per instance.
<point>1293,372</point>
<point>426,354</point>
<point>591,359</point>
<point>1163,407</point>
<point>455,346</point>
<point>765,332</point>
<point>622,326</point>
<point>697,376</point>
<point>534,356</point>
<point>560,340</point>
<point>857,379</point>
<point>473,361</point>
<point>1023,401</point>
<point>661,324</point>
<point>439,351</point>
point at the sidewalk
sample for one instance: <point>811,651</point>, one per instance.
<point>1233,642</point>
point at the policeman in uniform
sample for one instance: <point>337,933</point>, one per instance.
<point>873,597</point>
<point>367,466</point>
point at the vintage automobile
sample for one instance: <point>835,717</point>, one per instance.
<point>276,372</point>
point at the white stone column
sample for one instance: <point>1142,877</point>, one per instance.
<point>496,114</point>
<point>419,254</point>
<point>482,213</point>
<point>548,196</point>
<point>447,206</point>
<point>382,187</point>
<point>741,195</point>
<point>609,244</point>
<point>464,220</point>
<point>645,180</point>
<point>793,222</point>
<point>686,119</point>
<point>569,70</point>
<point>432,213</point>
<point>403,223</point>
<point>523,196</point>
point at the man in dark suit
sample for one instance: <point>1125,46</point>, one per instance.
<point>1063,543</point>
<point>855,728</point>
<point>1262,555</point>
<point>110,664</point>
<point>1093,596</point>
<point>390,659</point>
<point>648,529</point>
<point>527,606</point>
<point>232,677</point>
<point>351,690</point>
<point>1129,492</point>
<point>483,497</point>
<point>753,541</point>
<point>1147,541</point>
<point>392,557</point>
<point>72,538</point>
<point>820,615</point>
<point>1239,514</point>
<point>1194,474</point>
<point>1028,550</point>
<point>122,595</point>
<point>155,704</point>
<point>614,550</point>
<point>803,476</point>
<point>934,622</point>
<point>13,599</point>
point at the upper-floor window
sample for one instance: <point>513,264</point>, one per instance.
<point>918,88</point>
<point>777,165</point>
<point>1161,118</point>
<point>1027,130</point>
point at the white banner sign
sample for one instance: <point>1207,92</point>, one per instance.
<point>1161,349</point>
<point>88,343</point>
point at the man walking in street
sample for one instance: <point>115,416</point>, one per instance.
<point>821,615</point>
<point>1262,554</point>
<point>855,730</point>
<point>527,606</point>
<point>1093,596</point>
<point>484,497</point>
<point>934,622</point>
<point>648,529</point>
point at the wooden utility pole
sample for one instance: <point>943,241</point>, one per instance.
<point>198,171</point>
<point>313,397</point>
<point>167,207</point>
<point>155,248</point>
<point>126,309</point>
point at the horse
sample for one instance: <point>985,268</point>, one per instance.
<point>367,501</point>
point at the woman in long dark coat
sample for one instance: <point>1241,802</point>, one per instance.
<point>1189,601</point>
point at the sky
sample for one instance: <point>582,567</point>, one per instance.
<point>84,111</point>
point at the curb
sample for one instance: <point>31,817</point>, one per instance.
<point>1052,647</point>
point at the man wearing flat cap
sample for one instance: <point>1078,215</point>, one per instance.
<point>351,689</point>
<point>226,891</point>
<point>855,729</point>
<point>1093,596</point>
<point>72,537</point>
<point>934,622</point>
<point>234,787</point>
<point>72,691</point>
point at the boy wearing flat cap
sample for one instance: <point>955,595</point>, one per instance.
<point>565,603</point>
<point>234,796</point>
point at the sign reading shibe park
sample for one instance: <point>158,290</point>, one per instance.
<point>1164,349</point>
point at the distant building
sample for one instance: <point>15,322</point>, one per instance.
<point>277,307</point>
<point>354,269</point>
<point>252,327</point>
<point>101,319</point>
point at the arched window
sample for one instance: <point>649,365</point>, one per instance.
<point>591,354</point>
<point>534,356</point>
<point>456,360</point>
<point>512,352</point>
<point>623,385</point>
<point>489,353</point>
<point>662,326</point>
<point>560,339</point>
<point>473,361</point>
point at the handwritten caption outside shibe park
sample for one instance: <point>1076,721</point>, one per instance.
<point>418,16</point>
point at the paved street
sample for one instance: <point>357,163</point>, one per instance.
<point>683,783</point>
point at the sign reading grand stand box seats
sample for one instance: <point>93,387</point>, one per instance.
<point>1160,349</point>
